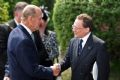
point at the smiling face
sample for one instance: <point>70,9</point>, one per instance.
<point>78,29</point>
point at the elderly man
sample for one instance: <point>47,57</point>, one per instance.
<point>9,26</point>
<point>22,51</point>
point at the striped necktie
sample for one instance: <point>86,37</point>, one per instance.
<point>80,46</point>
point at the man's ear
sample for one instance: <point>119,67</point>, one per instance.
<point>30,19</point>
<point>88,29</point>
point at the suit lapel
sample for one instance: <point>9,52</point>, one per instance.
<point>87,48</point>
<point>75,54</point>
<point>28,35</point>
<point>25,31</point>
<point>75,48</point>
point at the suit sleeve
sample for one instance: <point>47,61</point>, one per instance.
<point>3,39</point>
<point>26,54</point>
<point>103,63</point>
<point>65,64</point>
<point>7,72</point>
<point>4,32</point>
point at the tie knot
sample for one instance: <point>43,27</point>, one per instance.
<point>81,41</point>
<point>80,46</point>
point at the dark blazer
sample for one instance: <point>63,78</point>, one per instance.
<point>94,50</point>
<point>43,57</point>
<point>12,23</point>
<point>4,33</point>
<point>9,26</point>
<point>42,53</point>
<point>23,57</point>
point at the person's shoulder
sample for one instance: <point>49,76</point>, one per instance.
<point>7,27</point>
<point>11,21</point>
<point>98,40</point>
<point>3,33</point>
<point>51,32</point>
<point>1,26</point>
<point>4,27</point>
<point>72,40</point>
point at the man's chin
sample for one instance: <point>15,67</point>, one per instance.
<point>37,28</point>
<point>77,36</point>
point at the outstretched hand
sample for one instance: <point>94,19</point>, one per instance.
<point>56,69</point>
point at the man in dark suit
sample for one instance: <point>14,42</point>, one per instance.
<point>84,50</point>
<point>42,54</point>
<point>11,25</point>
<point>22,51</point>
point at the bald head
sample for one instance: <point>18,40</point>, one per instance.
<point>31,16</point>
<point>30,10</point>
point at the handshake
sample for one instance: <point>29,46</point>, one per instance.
<point>56,68</point>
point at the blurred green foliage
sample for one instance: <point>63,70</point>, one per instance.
<point>3,11</point>
<point>7,6</point>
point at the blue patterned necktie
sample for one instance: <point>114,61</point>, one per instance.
<point>80,47</point>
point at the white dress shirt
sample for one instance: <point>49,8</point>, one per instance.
<point>28,30</point>
<point>85,38</point>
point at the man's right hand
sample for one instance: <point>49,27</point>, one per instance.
<point>56,69</point>
<point>6,78</point>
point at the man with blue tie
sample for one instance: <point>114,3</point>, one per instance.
<point>84,50</point>
<point>22,51</point>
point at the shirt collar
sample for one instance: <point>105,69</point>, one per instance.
<point>28,30</point>
<point>16,21</point>
<point>85,38</point>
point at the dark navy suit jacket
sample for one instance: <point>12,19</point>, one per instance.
<point>4,33</point>
<point>94,50</point>
<point>23,57</point>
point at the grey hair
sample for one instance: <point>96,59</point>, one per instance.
<point>29,10</point>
